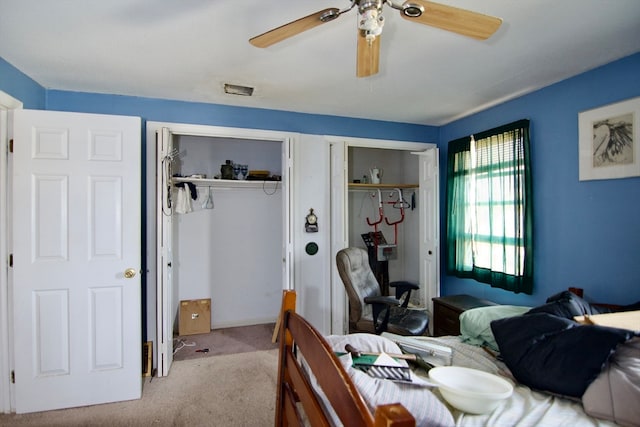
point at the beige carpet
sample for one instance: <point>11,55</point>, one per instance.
<point>227,390</point>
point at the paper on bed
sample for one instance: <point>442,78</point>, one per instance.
<point>624,320</point>
<point>385,360</point>
<point>430,352</point>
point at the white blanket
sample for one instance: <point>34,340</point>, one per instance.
<point>525,407</point>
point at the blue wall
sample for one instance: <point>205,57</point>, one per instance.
<point>222,115</point>
<point>34,96</point>
<point>22,87</point>
<point>587,233</point>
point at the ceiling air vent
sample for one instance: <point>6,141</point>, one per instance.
<point>238,90</point>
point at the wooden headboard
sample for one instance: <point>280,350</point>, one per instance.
<point>580,292</point>
<point>296,399</point>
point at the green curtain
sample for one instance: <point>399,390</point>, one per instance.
<point>489,224</point>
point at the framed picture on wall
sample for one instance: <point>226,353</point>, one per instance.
<point>609,139</point>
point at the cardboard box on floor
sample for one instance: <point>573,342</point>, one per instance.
<point>195,317</point>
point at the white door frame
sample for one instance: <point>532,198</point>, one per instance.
<point>7,403</point>
<point>163,251</point>
<point>429,229</point>
<point>339,232</point>
<point>288,141</point>
<point>339,217</point>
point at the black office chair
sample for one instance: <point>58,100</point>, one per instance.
<point>369,310</point>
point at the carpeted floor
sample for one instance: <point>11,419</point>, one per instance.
<point>229,390</point>
<point>224,341</point>
<point>233,384</point>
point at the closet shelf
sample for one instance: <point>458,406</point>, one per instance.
<point>359,186</point>
<point>226,183</point>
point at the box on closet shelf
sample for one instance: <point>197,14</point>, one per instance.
<point>195,316</point>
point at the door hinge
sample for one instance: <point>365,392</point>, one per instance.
<point>10,260</point>
<point>11,145</point>
<point>13,377</point>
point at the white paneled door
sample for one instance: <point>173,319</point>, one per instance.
<point>76,259</point>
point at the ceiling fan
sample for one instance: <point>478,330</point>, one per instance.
<point>371,21</point>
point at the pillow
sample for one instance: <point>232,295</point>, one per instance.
<point>475,324</point>
<point>368,343</point>
<point>425,407</point>
<point>615,394</point>
<point>547,352</point>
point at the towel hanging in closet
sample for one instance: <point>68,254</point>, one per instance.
<point>192,188</point>
<point>183,201</point>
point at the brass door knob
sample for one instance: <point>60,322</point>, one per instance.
<point>129,273</point>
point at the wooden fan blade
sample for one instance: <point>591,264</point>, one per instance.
<point>454,19</point>
<point>368,56</point>
<point>295,27</point>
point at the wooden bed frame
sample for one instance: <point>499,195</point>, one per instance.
<point>296,399</point>
<point>303,351</point>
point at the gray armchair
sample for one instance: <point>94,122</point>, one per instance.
<point>369,310</point>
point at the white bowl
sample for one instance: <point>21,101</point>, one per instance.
<point>470,390</point>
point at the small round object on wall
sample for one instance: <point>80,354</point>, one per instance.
<point>311,248</point>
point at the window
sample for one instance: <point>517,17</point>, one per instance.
<point>489,208</point>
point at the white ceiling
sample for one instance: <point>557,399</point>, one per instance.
<point>187,49</point>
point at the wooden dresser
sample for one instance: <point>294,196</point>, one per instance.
<point>447,310</point>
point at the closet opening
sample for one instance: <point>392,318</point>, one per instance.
<point>222,231</point>
<point>386,189</point>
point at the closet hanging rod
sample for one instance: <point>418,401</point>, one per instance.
<point>355,186</point>
<point>229,183</point>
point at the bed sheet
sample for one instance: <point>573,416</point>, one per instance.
<point>525,407</point>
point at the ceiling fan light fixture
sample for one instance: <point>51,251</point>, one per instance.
<point>238,90</point>
<point>371,20</point>
<point>412,10</point>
